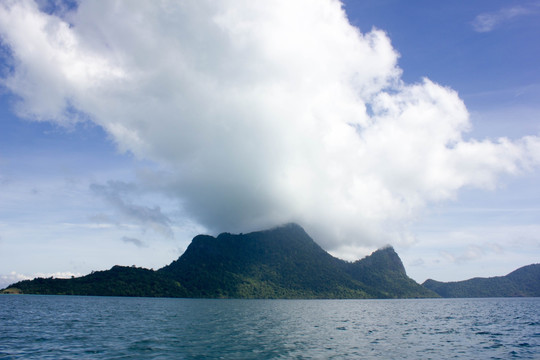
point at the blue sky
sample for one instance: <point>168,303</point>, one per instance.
<point>496,73</point>
<point>251,117</point>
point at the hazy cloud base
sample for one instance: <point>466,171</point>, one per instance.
<point>259,113</point>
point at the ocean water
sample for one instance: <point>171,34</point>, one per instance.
<point>73,327</point>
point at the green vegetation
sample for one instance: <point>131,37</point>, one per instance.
<point>118,281</point>
<point>524,281</point>
<point>280,263</point>
<point>384,272</point>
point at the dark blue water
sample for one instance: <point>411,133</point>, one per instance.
<point>69,327</point>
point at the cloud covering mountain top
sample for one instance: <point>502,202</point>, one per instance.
<point>258,113</point>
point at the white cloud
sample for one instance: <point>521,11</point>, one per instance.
<point>487,22</point>
<point>259,113</point>
<point>11,278</point>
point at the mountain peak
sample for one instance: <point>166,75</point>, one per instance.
<point>385,257</point>
<point>284,261</point>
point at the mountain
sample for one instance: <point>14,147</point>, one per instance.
<point>283,262</point>
<point>524,281</point>
<point>384,271</point>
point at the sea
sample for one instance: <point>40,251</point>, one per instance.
<point>80,327</point>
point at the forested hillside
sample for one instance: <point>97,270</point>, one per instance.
<point>283,262</point>
<point>524,281</point>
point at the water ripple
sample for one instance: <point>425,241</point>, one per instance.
<point>63,327</point>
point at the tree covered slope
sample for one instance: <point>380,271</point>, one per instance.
<point>118,281</point>
<point>524,281</point>
<point>283,262</point>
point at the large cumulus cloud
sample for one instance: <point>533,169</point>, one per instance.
<point>259,112</point>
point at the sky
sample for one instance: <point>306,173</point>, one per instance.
<point>127,128</point>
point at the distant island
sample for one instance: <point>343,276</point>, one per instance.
<point>280,263</point>
<point>524,281</point>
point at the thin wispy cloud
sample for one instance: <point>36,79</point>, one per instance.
<point>472,252</point>
<point>134,241</point>
<point>487,22</point>
<point>115,193</point>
